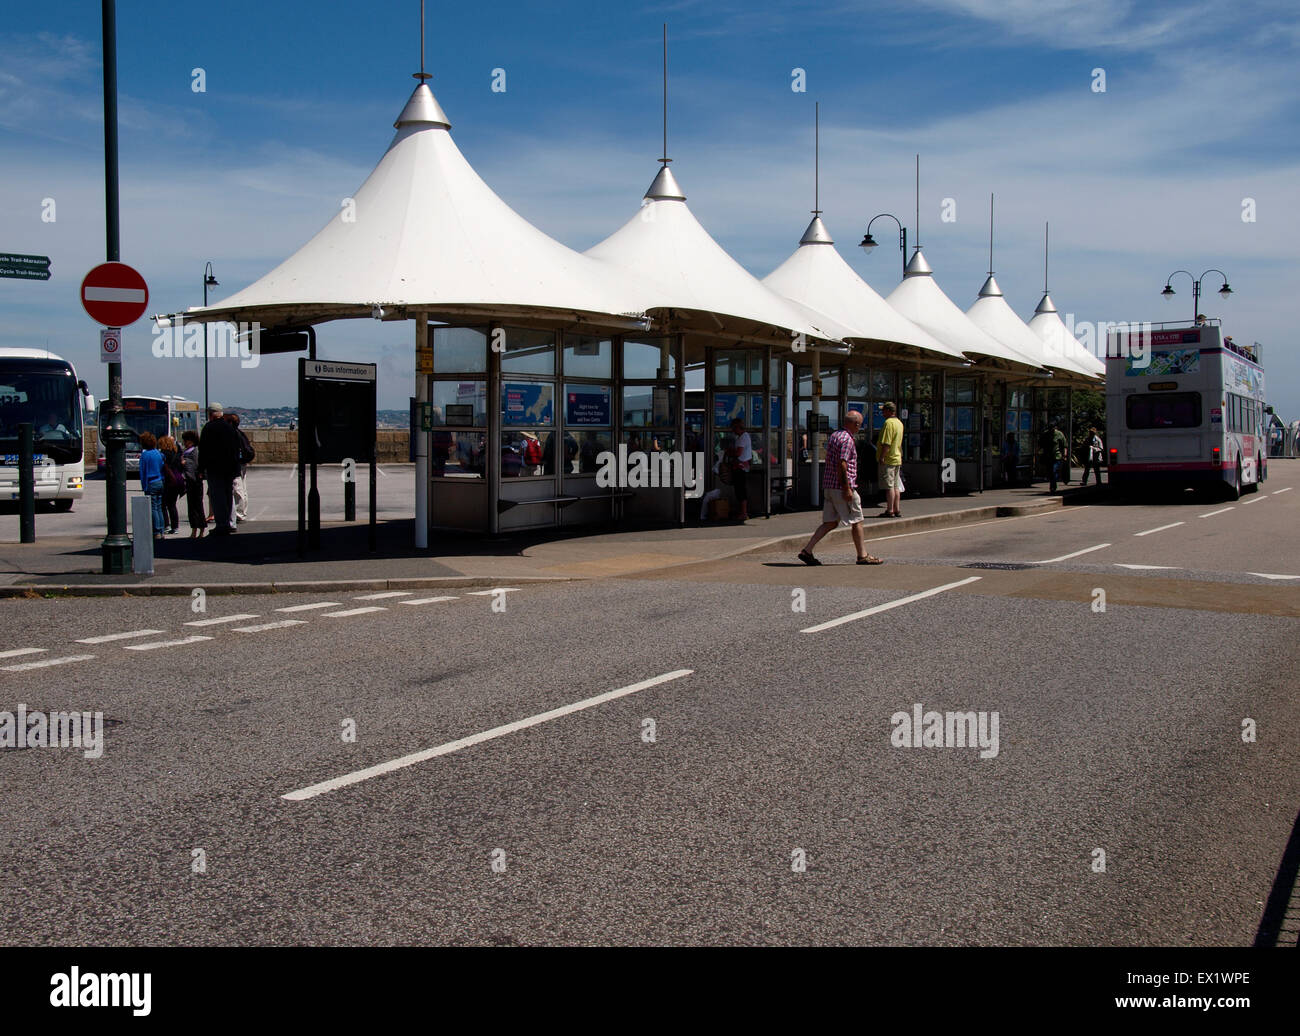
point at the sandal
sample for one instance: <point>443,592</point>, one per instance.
<point>870,559</point>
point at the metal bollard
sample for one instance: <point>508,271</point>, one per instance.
<point>142,535</point>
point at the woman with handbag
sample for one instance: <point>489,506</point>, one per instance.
<point>173,483</point>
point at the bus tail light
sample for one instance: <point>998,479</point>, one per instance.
<point>1114,455</point>
<point>1216,456</point>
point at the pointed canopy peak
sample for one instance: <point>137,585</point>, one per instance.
<point>917,266</point>
<point>816,234</point>
<point>423,109</point>
<point>990,289</point>
<point>665,187</point>
<point>1047,305</point>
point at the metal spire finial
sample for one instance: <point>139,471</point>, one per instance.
<point>665,160</point>
<point>421,75</point>
<point>817,148</point>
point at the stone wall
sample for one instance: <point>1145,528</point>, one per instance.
<point>280,446</point>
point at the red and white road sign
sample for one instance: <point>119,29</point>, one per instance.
<point>110,345</point>
<point>114,294</point>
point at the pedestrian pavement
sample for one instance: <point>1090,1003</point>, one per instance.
<point>263,556</point>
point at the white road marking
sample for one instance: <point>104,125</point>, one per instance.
<point>110,637</point>
<point>455,746</point>
<point>1171,568</point>
<point>1221,510</point>
<point>1067,557</point>
<point>353,611</point>
<point>889,604</point>
<point>224,619</point>
<point>309,607</point>
<point>194,639</point>
<point>494,590</point>
<point>382,596</point>
<point>16,652</point>
<point>24,666</point>
<point>1160,528</point>
<point>429,600</point>
<point>1286,490</point>
<point>1271,575</point>
<point>1254,500</point>
<point>270,625</point>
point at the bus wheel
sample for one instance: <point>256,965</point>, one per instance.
<point>1234,490</point>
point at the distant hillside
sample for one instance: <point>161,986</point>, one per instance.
<point>282,416</point>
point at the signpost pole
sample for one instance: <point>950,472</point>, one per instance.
<point>304,423</point>
<point>116,547</point>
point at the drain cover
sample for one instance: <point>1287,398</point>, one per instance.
<point>1000,566</point>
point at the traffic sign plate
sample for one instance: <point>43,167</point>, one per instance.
<point>110,345</point>
<point>114,295</point>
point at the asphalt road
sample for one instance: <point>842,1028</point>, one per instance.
<point>1118,730</point>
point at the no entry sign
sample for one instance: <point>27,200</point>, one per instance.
<point>114,294</point>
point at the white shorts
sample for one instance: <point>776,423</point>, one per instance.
<point>889,475</point>
<point>836,509</point>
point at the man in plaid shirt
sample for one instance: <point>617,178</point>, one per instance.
<point>839,492</point>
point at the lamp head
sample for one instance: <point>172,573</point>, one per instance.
<point>1169,292</point>
<point>867,243</point>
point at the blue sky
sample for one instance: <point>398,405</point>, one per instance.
<point>1200,113</point>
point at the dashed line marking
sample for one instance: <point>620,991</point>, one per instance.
<point>194,639</point>
<point>889,604</point>
<point>353,611</point>
<point>455,746</point>
<point>1271,575</point>
<point>1067,557</point>
<point>1221,510</point>
<point>1167,568</point>
<point>108,638</point>
<point>494,590</point>
<point>1253,500</point>
<point>1286,490</point>
<point>429,600</point>
<point>309,607</point>
<point>18,652</point>
<point>1160,528</point>
<point>224,619</point>
<point>261,626</point>
<point>384,595</point>
<point>24,666</point>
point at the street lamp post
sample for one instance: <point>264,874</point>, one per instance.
<point>1169,292</point>
<point>869,242</point>
<point>209,281</point>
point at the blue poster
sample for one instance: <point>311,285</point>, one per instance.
<point>727,405</point>
<point>1026,421</point>
<point>587,405</point>
<point>756,411</point>
<point>527,403</point>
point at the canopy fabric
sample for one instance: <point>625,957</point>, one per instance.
<point>426,232</point>
<point>816,275</point>
<point>921,300</point>
<point>1048,325</point>
<point>665,246</point>
<point>992,315</point>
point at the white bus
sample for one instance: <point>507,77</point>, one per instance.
<point>159,415</point>
<point>39,387</point>
<point>1184,409</point>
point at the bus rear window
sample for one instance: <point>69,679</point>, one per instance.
<point>1165,410</point>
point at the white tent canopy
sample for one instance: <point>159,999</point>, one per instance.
<point>816,275</point>
<point>426,233</point>
<point>921,300</point>
<point>992,315</point>
<point>685,270</point>
<point>1048,325</point>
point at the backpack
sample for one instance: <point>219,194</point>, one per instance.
<point>533,453</point>
<point>246,451</point>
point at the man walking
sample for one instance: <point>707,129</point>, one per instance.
<point>246,455</point>
<point>1056,451</point>
<point>1092,460</point>
<point>840,497</point>
<point>889,455</point>
<point>219,463</point>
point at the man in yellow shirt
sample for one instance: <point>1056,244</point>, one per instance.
<point>889,455</point>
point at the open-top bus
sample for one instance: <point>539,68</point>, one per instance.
<point>1184,409</point>
<point>42,389</point>
<point>159,415</point>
